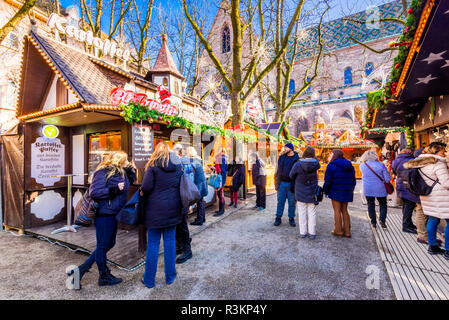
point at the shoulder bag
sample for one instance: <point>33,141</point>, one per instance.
<point>388,186</point>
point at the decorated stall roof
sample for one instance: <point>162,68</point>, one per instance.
<point>428,72</point>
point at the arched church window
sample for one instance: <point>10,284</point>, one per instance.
<point>226,41</point>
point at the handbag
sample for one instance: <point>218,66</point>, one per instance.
<point>319,194</point>
<point>188,191</point>
<point>388,186</point>
<point>215,181</point>
<point>130,213</point>
<point>85,210</point>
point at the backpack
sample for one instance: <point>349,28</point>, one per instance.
<point>85,210</point>
<point>319,194</point>
<point>188,191</point>
<point>414,182</point>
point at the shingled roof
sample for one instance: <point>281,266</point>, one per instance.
<point>91,81</point>
<point>164,62</point>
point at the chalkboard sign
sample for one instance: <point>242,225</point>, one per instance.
<point>142,144</point>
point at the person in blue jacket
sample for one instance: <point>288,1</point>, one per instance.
<point>200,181</point>
<point>339,185</point>
<point>221,168</point>
<point>373,187</point>
<point>109,188</point>
<point>163,211</point>
<point>283,184</point>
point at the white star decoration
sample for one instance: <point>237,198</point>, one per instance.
<point>434,57</point>
<point>446,12</point>
<point>446,65</point>
<point>426,80</point>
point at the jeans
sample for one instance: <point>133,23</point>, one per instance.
<point>407,212</point>
<point>307,218</point>
<point>154,238</point>
<point>106,231</point>
<point>284,193</point>
<point>261,196</point>
<point>432,226</point>
<point>372,208</point>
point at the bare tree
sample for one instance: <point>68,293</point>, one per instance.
<point>237,80</point>
<point>15,20</point>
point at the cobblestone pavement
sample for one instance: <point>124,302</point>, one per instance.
<point>240,257</point>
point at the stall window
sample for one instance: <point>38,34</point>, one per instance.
<point>100,144</point>
<point>165,82</point>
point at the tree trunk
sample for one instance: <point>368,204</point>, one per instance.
<point>14,21</point>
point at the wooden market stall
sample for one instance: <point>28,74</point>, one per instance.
<point>352,146</point>
<point>70,117</point>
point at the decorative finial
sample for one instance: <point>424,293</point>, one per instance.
<point>164,37</point>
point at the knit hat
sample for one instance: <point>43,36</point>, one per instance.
<point>290,146</point>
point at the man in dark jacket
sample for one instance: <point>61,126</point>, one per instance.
<point>259,176</point>
<point>409,200</point>
<point>283,184</point>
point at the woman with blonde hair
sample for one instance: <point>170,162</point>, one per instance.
<point>160,188</point>
<point>374,174</point>
<point>109,188</point>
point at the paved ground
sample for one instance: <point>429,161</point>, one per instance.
<point>241,257</point>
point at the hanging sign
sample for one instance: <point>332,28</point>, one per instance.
<point>122,96</point>
<point>106,46</point>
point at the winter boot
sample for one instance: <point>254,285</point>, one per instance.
<point>187,253</point>
<point>231,204</point>
<point>277,222</point>
<point>220,210</point>
<point>435,250</point>
<point>107,279</point>
<point>292,222</point>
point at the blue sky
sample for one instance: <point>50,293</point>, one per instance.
<point>339,7</point>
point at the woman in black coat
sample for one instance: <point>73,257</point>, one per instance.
<point>238,177</point>
<point>259,176</point>
<point>109,189</point>
<point>160,188</point>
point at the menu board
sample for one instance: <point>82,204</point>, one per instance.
<point>47,160</point>
<point>142,144</point>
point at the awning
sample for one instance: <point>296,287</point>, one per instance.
<point>428,74</point>
<point>399,114</point>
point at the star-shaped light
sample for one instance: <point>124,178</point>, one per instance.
<point>426,80</point>
<point>430,116</point>
<point>434,57</point>
<point>423,121</point>
<point>440,112</point>
<point>446,65</point>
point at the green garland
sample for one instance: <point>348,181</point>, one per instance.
<point>378,99</point>
<point>134,112</point>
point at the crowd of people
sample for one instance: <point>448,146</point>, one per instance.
<point>296,182</point>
